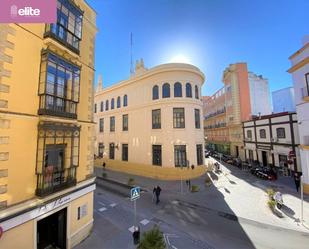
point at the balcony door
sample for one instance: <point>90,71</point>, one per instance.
<point>54,164</point>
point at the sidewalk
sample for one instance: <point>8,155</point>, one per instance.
<point>234,191</point>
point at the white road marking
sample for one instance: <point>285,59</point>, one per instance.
<point>113,204</point>
<point>131,229</point>
<point>144,222</point>
<point>102,209</point>
<point>101,203</point>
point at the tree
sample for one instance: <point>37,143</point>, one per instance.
<point>153,239</point>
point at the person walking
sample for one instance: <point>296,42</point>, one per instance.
<point>297,181</point>
<point>157,191</point>
<point>103,165</point>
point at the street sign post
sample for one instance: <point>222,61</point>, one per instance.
<point>135,194</point>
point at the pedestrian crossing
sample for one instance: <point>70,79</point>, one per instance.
<point>105,206</point>
<point>144,222</point>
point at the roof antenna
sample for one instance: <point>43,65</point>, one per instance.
<point>131,55</point>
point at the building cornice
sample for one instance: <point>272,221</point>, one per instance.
<point>299,51</point>
<point>299,65</point>
<point>169,67</point>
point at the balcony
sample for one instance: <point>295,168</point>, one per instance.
<point>59,86</point>
<point>57,156</point>
<point>51,181</point>
<point>215,126</point>
<point>216,113</point>
<point>56,106</point>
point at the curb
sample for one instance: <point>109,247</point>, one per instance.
<point>121,184</point>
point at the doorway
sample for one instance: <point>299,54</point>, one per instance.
<point>237,151</point>
<point>264,158</point>
<point>51,231</point>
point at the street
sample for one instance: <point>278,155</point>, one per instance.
<point>185,224</point>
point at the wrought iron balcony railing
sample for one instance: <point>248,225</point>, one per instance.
<point>51,181</point>
<point>216,113</point>
<point>55,106</point>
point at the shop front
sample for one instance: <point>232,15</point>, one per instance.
<point>58,223</point>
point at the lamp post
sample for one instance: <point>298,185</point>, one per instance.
<point>302,199</point>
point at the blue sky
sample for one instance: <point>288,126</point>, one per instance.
<point>211,34</point>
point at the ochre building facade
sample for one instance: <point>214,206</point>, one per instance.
<point>46,129</point>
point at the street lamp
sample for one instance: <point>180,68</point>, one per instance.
<point>302,199</point>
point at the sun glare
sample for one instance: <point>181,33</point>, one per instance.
<point>180,59</point>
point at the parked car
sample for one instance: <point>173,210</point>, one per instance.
<point>264,173</point>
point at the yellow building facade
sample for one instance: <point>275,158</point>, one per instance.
<point>46,129</point>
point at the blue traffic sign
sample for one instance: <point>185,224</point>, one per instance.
<point>135,193</point>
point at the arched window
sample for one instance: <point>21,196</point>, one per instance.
<point>112,103</point>
<point>155,92</point>
<point>177,89</point>
<point>102,106</point>
<point>166,93</point>
<point>106,105</point>
<point>196,92</point>
<point>262,133</point>
<point>125,100</point>
<point>118,102</point>
<point>188,90</point>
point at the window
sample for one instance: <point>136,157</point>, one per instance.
<point>156,119</point>
<point>95,108</point>
<point>111,151</point>
<point>112,104</point>
<point>102,106</point>
<point>58,87</point>
<point>199,154</point>
<point>112,124</point>
<point>197,118</point>
<point>280,132</point>
<point>157,155</point>
<point>101,150</point>
<point>166,90</point>
<point>196,92</point>
<point>177,90</point>
<point>68,28</point>
<point>262,133</point>
<point>125,100</point>
<point>106,105</point>
<point>249,134</point>
<point>118,102</point>
<point>155,92</point>
<point>125,152</point>
<point>188,90</point>
<point>125,122</point>
<point>179,117</point>
<point>101,124</point>
<point>180,156</point>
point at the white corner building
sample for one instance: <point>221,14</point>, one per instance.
<point>300,75</point>
<point>153,118</point>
